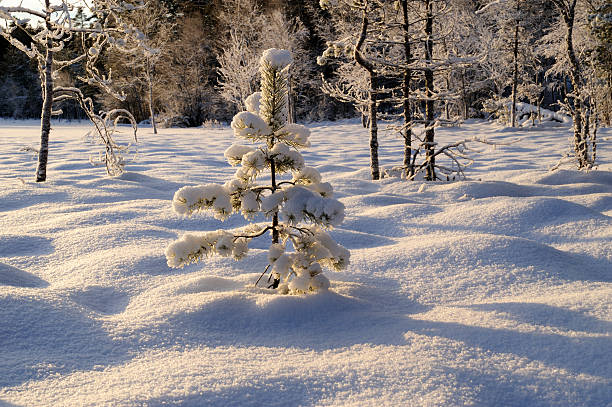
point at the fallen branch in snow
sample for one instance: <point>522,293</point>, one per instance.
<point>262,274</point>
<point>29,149</point>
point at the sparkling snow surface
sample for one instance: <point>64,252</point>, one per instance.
<point>490,292</point>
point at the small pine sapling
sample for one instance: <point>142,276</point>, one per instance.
<point>300,209</point>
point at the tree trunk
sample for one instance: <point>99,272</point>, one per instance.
<point>151,111</point>
<point>290,102</point>
<point>464,96</point>
<point>446,102</point>
<point>149,75</point>
<point>586,131</point>
<point>594,135</point>
<point>407,133</point>
<point>429,103</point>
<point>372,107</point>
<point>567,9</point>
<point>47,108</point>
<point>515,73</point>
<point>373,129</point>
<point>580,143</point>
<point>275,237</point>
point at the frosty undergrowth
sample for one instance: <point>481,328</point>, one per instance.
<point>300,208</point>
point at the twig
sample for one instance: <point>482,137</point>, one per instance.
<point>262,274</point>
<point>236,237</point>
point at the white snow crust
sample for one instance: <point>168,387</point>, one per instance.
<point>493,291</point>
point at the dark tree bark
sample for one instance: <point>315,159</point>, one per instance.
<point>516,64</point>
<point>430,174</point>
<point>464,96</point>
<point>567,8</point>
<point>372,106</point>
<point>407,133</point>
<point>373,128</point>
<point>275,236</point>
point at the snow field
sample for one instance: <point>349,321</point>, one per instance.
<point>492,291</point>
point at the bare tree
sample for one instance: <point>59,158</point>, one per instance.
<point>569,33</point>
<point>153,21</point>
<point>239,50</point>
<point>189,73</point>
<point>56,29</point>
<point>251,30</point>
<point>355,43</point>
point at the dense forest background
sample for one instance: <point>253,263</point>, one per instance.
<point>208,53</point>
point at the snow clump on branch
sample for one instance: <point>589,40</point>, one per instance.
<point>253,102</point>
<point>278,58</point>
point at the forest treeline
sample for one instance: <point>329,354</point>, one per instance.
<point>207,53</point>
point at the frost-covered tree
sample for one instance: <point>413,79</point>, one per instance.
<point>571,45</point>
<point>57,28</point>
<point>410,50</point>
<point>189,97</point>
<point>250,32</point>
<point>138,71</point>
<point>512,53</point>
<point>240,51</point>
<point>300,209</point>
<point>355,20</point>
<point>433,53</point>
<point>600,21</point>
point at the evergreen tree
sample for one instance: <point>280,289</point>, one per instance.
<point>19,81</point>
<point>600,21</point>
<point>300,209</point>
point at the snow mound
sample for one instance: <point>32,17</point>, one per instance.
<point>14,277</point>
<point>104,300</point>
<point>488,292</point>
<point>16,245</point>
<point>565,177</point>
<point>515,216</point>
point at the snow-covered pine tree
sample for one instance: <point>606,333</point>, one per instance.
<point>300,209</point>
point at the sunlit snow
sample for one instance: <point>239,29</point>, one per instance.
<point>495,291</point>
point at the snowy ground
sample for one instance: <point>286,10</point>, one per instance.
<point>490,292</point>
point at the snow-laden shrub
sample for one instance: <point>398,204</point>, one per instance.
<point>299,209</point>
